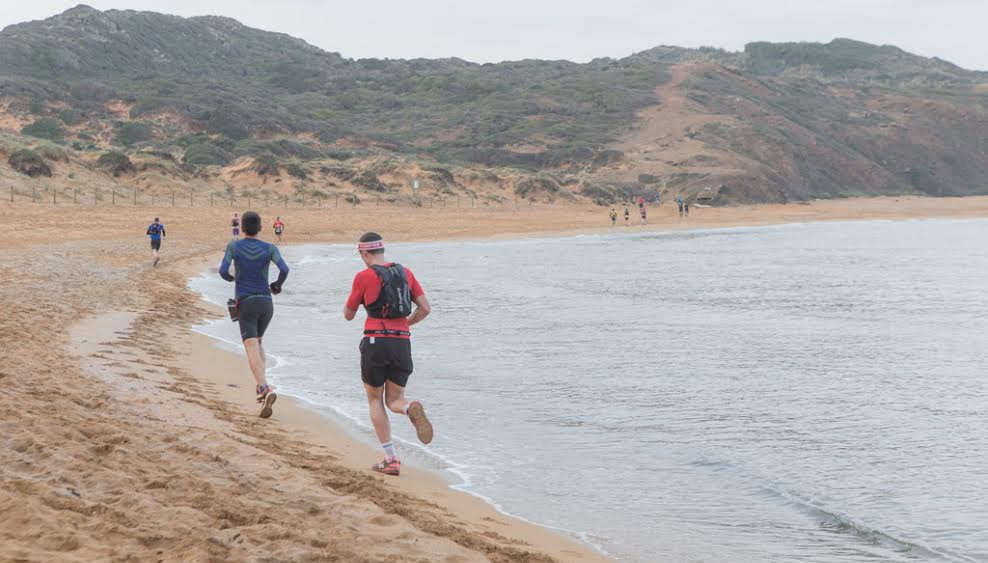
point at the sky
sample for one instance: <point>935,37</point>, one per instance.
<point>578,30</point>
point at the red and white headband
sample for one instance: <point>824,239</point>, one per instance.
<point>372,245</point>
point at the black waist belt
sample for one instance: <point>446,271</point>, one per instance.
<point>387,333</point>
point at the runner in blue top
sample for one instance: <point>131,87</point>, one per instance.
<point>155,230</point>
<point>252,258</point>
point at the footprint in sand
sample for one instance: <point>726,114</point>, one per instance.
<point>385,521</point>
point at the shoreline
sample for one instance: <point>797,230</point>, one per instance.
<point>314,425</point>
<point>125,445</point>
<point>227,372</point>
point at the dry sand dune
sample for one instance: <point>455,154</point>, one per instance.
<point>123,439</point>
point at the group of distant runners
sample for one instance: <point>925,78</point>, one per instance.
<point>279,227</point>
<point>684,210</point>
<point>390,294</point>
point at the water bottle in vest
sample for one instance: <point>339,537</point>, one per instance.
<point>395,301</point>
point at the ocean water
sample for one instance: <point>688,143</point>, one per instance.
<point>809,392</point>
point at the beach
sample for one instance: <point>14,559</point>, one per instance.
<point>128,435</point>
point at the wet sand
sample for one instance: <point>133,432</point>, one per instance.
<point>128,436</point>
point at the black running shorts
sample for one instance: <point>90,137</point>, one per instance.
<point>255,312</point>
<point>156,244</point>
<point>385,359</point>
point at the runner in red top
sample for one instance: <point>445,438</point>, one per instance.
<point>279,226</point>
<point>387,292</point>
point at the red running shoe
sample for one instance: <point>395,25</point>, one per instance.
<point>266,396</point>
<point>392,467</point>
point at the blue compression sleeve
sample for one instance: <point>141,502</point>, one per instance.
<point>225,264</point>
<point>282,271</point>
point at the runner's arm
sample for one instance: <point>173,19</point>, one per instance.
<point>282,267</point>
<point>422,308</point>
<point>225,264</point>
<point>353,302</point>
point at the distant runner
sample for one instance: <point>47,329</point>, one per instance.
<point>235,224</point>
<point>679,201</point>
<point>686,207</point>
<point>387,291</point>
<point>254,307</point>
<point>644,214</point>
<point>627,215</point>
<point>155,230</point>
<point>613,217</point>
<point>658,198</point>
<point>279,227</point>
<point>641,202</point>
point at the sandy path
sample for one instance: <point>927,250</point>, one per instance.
<point>116,447</point>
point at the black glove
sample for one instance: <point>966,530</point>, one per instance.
<point>275,288</point>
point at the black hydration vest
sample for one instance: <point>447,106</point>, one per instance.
<point>395,300</point>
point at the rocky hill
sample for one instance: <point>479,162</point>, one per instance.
<point>158,101</point>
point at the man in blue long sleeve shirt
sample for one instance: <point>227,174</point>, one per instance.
<point>252,257</point>
<point>156,230</point>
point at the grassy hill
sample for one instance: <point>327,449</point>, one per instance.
<point>215,100</point>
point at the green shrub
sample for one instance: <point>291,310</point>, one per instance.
<point>225,121</point>
<point>115,162</point>
<point>206,154</point>
<point>367,179</point>
<point>530,187</point>
<point>599,194</point>
<point>52,152</point>
<point>70,117</point>
<point>45,128</point>
<point>186,141</point>
<point>163,155</point>
<point>281,148</point>
<point>338,154</point>
<point>265,165</point>
<point>225,143</point>
<point>295,169</point>
<point>29,163</point>
<point>130,133</point>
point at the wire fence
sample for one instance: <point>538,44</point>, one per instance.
<point>116,196</point>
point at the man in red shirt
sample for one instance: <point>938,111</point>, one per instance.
<point>387,291</point>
